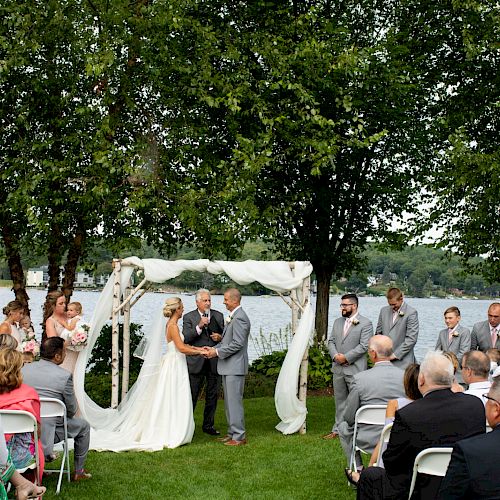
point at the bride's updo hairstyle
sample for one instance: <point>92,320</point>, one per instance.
<point>171,305</point>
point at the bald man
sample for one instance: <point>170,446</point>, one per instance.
<point>375,386</point>
<point>440,418</point>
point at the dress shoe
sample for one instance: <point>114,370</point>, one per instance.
<point>332,435</point>
<point>82,476</point>
<point>212,431</point>
<point>233,442</point>
<point>224,439</point>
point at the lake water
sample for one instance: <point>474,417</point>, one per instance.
<point>269,314</point>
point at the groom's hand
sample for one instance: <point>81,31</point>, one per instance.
<point>211,353</point>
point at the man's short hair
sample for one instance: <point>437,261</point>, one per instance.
<point>495,388</point>
<point>200,292</point>
<point>452,309</point>
<point>50,347</point>
<point>437,369</point>
<point>394,294</point>
<point>234,293</point>
<point>382,345</point>
<point>350,296</point>
<point>478,362</point>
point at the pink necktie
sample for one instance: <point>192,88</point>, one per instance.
<point>347,324</point>
<point>450,335</point>
<point>394,317</point>
<point>493,337</point>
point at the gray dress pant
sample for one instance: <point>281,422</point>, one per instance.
<point>234,386</point>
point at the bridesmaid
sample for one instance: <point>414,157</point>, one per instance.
<point>13,311</point>
<point>56,321</point>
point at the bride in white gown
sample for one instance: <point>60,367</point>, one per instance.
<point>164,418</point>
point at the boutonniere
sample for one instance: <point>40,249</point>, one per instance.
<point>227,320</point>
<point>455,334</point>
<point>401,314</point>
<point>355,321</point>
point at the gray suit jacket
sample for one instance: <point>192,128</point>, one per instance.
<point>189,323</point>
<point>459,345</point>
<point>354,345</point>
<point>51,381</point>
<point>403,332</point>
<point>375,386</point>
<point>481,337</point>
<point>233,348</point>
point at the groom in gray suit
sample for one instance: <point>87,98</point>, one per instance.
<point>486,334</point>
<point>348,343</point>
<point>233,366</point>
<point>399,321</point>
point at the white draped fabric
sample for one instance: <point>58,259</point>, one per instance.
<point>276,276</point>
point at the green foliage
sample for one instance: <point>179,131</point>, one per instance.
<point>100,361</point>
<point>269,364</point>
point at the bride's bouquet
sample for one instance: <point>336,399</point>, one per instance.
<point>79,337</point>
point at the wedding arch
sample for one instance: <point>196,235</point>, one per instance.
<point>290,280</point>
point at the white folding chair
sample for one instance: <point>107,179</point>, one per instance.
<point>20,421</point>
<point>366,415</point>
<point>432,461</point>
<point>51,407</point>
<point>384,438</point>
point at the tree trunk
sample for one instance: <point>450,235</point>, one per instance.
<point>74,253</point>
<point>54,256</point>
<point>15,265</point>
<point>323,278</point>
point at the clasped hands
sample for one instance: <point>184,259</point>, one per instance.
<point>208,352</point>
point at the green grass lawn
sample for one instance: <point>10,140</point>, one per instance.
<point>270,466</point>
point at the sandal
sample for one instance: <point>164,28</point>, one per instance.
<point>349,473</point>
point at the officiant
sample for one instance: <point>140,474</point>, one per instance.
<point>203,327</point>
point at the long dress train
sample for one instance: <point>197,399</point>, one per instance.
<point>163,415</point>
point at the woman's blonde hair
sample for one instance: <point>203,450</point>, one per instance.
<point>171,305</point>
<point>13,305</point>
<point>7,341</point>
<point>11,363</point>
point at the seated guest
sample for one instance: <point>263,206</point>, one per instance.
<point>14,395</point>
<point>440,418</point>
<point>494,355</point>
<point>473,468</point>
<point>455,386</point>
<point>410,382</point>
<point>375,386</point>
<point>52,381</point>
<point>476,371</point>
<point>24,489</point>
<point>454,338</point>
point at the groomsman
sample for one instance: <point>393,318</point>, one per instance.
<point>485,334</point>
<point>399,321</point>
<point>455,338</point>
<point>232,352</point>
<point>203,327</point>
<point>348,343</point>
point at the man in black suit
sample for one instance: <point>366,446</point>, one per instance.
<point>473,470</point>
<point>203,327</point>
<point>440,418</point>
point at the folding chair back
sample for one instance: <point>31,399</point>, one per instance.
<point>20,421</point>
<point>51,407</point>
<point>384,439</point>
<point>431,461</point>
<point>367,415</point>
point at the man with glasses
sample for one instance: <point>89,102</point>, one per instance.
<point>473,468</point>
<point>348,343</point>
<point>399,321</point>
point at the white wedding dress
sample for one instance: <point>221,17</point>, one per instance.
<point>163,414</point>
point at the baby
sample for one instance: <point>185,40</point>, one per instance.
<point>74,314</point>
<point>27,327</point>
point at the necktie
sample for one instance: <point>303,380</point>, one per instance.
<point>347,324</point>
<point>450,335</point>
<point>493,337</point>
<point>394,316</point>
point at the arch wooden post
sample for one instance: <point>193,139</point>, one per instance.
<point>126,345</point>
<point>306,290</point>
<point>115,332</point>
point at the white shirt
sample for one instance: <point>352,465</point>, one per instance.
<point>478,389</point>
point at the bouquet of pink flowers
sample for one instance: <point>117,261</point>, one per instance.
<point>79,337</point>
<point>30,346</point>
